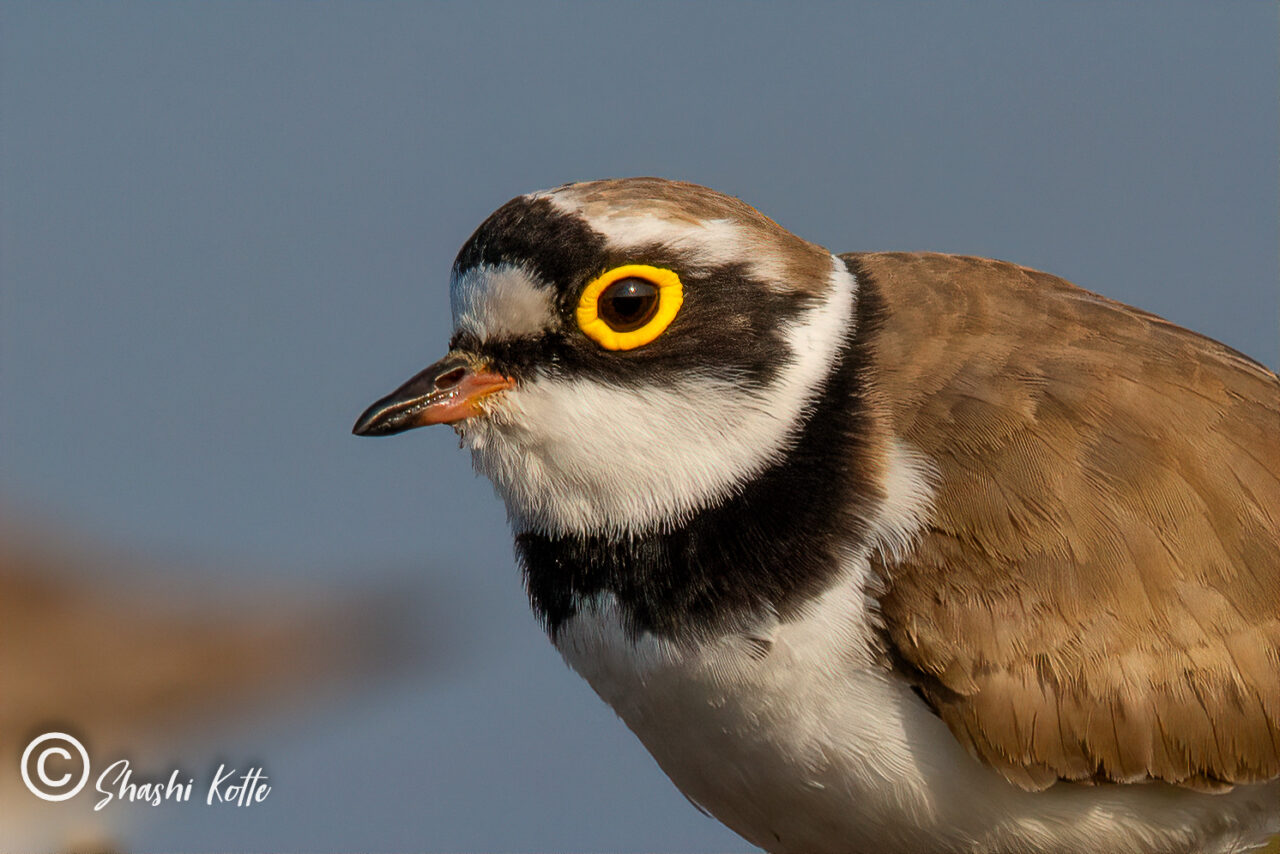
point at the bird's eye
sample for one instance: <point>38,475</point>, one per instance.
<point>629,306</point>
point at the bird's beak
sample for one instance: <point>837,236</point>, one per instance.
<point>448,391</point>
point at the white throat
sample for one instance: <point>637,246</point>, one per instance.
<point>580,457</point>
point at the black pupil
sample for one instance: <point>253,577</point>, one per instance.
<point>628,304</point>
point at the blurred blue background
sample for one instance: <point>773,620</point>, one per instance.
<point>227,228</point>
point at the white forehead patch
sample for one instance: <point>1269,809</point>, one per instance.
<point>500,302</point>
<point>587,457</point>
<point>705,243</point>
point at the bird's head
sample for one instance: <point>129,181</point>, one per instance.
<point>628,352</point>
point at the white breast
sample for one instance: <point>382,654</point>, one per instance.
<point>795,737</point>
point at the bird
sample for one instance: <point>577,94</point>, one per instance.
<point>877,551</point>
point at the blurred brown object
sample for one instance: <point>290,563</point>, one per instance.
<point>128,658</point>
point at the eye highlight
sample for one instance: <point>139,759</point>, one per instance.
<point>629,306</point>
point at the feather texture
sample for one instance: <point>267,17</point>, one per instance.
<point>1097,594</point>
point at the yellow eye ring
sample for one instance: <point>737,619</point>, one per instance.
<point>670,295</point>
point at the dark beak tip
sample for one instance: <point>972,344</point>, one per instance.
<point>374,422</point>
<point>363,428</point>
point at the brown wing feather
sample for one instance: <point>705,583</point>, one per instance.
<point>1097,595</point>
